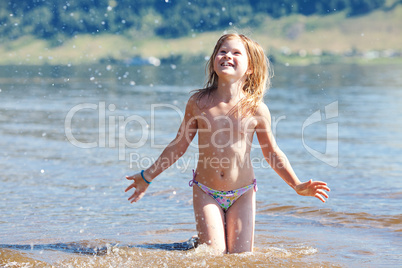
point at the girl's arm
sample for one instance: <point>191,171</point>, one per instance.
<point>278,160</point>
<point>170,154</point>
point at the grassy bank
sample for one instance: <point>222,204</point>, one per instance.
<point>374,38</point>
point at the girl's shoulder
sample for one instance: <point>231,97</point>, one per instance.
<point>262,115</point>
<point>194,99</point>
<point>199,98</point>
<point>196,94</point>
<point>193,103</point>
<point>262,110</point>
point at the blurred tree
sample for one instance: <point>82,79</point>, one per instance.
<point>39,22</point>
<point>275,8</point>
<point>358,7</point>
<point>181,16</point>
<point>168,18</point>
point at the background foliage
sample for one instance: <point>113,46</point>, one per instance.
<point>50,19</point>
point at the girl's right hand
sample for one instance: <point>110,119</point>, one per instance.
<point>140,187</point>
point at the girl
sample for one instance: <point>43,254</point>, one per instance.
<point>226,114</point>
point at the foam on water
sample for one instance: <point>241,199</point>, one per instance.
<point>202,256</point>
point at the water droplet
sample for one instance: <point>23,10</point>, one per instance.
<point>42,171</point>
<point>112,107</point>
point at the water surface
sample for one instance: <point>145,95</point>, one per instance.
<point>55,189</point>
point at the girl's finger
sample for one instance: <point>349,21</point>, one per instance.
<point>131,198</point>
<point>130,187</point>
<point>323,193</point>
<point>326,188</point>
<point>320,197</point>
<point>319,183</point>
<point>323,187</point>
<point>135,198</point>
<point>139,197</point>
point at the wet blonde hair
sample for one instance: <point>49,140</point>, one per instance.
<point>257,82</point>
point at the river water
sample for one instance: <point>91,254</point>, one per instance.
<point>69,135</point>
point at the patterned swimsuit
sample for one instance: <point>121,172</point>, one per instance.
<point>225,199</point>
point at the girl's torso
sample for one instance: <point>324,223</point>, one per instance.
<point>225,142</point>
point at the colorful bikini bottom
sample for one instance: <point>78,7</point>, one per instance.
<point>225,199</point>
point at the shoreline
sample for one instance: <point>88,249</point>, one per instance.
<point>293,40</point>
<point>285,57</point>
<point>283,61</point>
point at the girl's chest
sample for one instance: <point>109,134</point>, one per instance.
<point>217,120</point>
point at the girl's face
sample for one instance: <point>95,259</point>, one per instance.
<point>231,61</point>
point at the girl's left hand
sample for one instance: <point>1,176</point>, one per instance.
<point>313,188</point>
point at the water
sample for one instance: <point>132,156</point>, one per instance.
<point>55,192</point>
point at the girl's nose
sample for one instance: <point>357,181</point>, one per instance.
<point>228,55</point>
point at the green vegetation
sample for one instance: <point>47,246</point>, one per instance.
<point>169,18</point>
<point>296,32</point>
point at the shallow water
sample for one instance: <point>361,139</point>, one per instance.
<point>56,191</point>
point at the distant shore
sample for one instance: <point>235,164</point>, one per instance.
<point>293,40</point>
